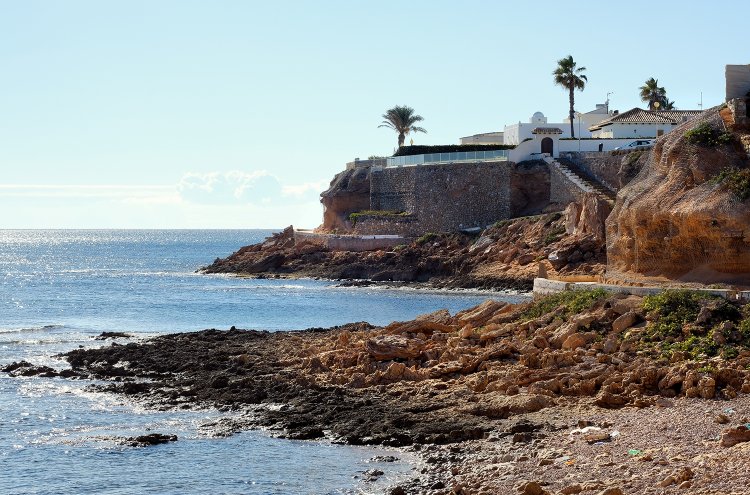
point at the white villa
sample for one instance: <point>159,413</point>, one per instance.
<point>517,133</point>
<point>639,123</point>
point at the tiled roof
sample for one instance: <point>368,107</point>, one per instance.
<point>547,130</point>
<point>641,116</point>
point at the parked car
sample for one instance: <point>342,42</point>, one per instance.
<point>640,144</point>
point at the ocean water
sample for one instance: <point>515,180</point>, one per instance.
<point>61,288</point>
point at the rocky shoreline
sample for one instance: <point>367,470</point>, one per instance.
<point>504,256</point>
<point>581,392</point>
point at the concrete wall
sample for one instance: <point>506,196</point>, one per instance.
<point>377,162</point>
<point>738,81</point>
<point>440,198</point>
<point>350,242</point>
<point>530,150</point>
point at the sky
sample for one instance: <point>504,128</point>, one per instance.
<point>237,114</point>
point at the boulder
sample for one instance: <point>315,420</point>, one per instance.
<point>389,347</point>
<point>732,436</point>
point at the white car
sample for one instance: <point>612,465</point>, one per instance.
<point>640,144</point>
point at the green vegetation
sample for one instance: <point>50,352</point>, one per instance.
<point>706,135</point>
<point>554,235</point>
<point>633,157</point>
<point>736,180</point>
<point>655,95</point>
<point>449,148</point>
<point>402,120</point>
<point>696,324</point>
<point>429,236</point>
<point>354,217</point>
<point>569,302</point>
<point>571,78</point>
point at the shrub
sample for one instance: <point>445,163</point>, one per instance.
<point>705,134</point>
<point>736,180</point>
<point>449,148</point>
<point>570,302</point>
<point>429,236</point>
<point>672,309</point>
<point>554,235</point>
<point>674,326</point>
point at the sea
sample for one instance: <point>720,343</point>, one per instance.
<point>59,289</point>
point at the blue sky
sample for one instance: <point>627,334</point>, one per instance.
<point>236,114</point>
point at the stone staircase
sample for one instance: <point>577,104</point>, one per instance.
<point>583,180</point>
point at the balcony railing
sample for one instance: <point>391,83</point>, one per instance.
<point>456,157</point>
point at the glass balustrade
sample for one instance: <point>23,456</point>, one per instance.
<point>459,156</point>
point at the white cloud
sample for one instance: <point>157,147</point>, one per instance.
<point>234,186</point>
<point>229,187</point>
<point>231,199</point>
<point>306,190</point>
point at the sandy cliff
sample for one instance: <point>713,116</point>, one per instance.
<point>675,220</point>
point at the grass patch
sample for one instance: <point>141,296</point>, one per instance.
<point>706,135</point>
<point>570,301</point>
<point>736,180</point>
<point>429,236</point>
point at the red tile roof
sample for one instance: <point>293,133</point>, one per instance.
<point>641,116</point>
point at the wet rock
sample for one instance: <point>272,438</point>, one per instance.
<point>112,335</point>
<point>151,439</point>
<point>25,368</point>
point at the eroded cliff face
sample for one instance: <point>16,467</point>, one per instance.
<point>673,221</point>
<point>349,192</point>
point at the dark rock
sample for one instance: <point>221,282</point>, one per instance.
<point>112,335</point>
<point>152,439</point>
<point>25,368</point>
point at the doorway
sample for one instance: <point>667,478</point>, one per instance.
<point>547,146</point>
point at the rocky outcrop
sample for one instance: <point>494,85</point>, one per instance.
<point>517,392</point>
<point>503,256</point>
<point>675,220</point>
<point>349,192</point>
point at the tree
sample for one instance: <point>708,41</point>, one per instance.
<point>402,120</point>
<point>570,78</point>
<point>668,104</point>
<point>653,94</point>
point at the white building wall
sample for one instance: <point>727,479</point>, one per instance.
<point>516,133</point>
<point>632,131</point>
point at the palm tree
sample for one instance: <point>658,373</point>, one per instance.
<point>653,94</point>
<point>570,78</point>
<point>668,104</point>
<point>402,120</point>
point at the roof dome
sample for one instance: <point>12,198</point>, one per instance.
<point>538,118</point>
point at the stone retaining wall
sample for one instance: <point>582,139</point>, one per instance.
<point>440,198</point>
<point>562,190</point>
